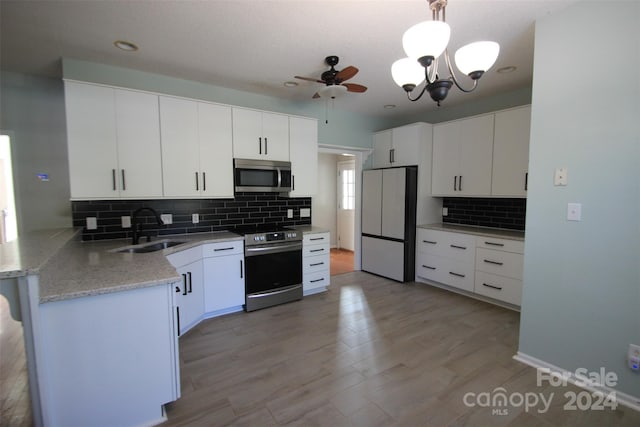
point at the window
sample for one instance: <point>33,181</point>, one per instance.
<point>348,189</point>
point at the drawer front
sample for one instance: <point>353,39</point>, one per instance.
<point>501,288</point>
<point>316,280</point>
<point>506,264</point>
<point>516,246</point>
<point>315,239</point>
<point>222,249</point>
<point>429,241</point>
<point>452,245</point>
<point>315,263</point>
<point>430,267</point>
<point>315,250</point>
<point>458,274</point>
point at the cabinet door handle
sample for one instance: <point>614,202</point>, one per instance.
<point>456,274</point>
<point>204,181</point>
<point>316,238</point>
<point>316,250</point>
<point>493,243</point>
<point>184,283</point>
<point>241,270</point>
<point>458,247</point>
<point>223,249</point>
<point>429,267</point>
<point>197,188</point>
<point>431,242</point>
<point>113,178</point>
<point>315,264</point>
<point>178,318</point>
<point>455,183</point>
<point>492,287</point>
<point>317,280</point>
<point>526,180</point>
<point>293,182</point>
<point>124,182</point>
<point>393,155</point>
<point>488,261</point>
<point>460,183</point>
<point>190,282</point>
<point>266,146</point>
<point>390,160</point>
<point>260,145</point>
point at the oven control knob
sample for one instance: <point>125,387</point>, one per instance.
<point>256,238</point>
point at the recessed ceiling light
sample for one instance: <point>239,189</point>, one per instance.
<point>125,45</point>
<point>291,84</point>
<point>389,106</point>
<point>506,70</point>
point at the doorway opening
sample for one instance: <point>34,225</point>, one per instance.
<point>342,254</point>
<point>8,221</point>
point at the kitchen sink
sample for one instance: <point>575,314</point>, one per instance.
<point>149,247</point>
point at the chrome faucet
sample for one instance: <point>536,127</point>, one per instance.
<point>137,227</point>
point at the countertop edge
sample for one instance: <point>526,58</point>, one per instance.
<point>476,231</point>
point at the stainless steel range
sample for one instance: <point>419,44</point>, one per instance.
<point>273,266</point>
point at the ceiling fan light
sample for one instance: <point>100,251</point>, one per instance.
<point>478,56</point>
<point>428,38</point>
<point>332,91</point>
<point>407,71</point>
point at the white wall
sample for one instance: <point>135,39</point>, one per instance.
<point>324,204</point>
<point>581,299</point>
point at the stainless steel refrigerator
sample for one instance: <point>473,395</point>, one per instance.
<point>389,222</point>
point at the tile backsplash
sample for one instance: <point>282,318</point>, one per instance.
<point>215,214</point>
<point>486,212</point>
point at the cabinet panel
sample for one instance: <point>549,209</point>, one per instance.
<point>189,296</point>
<point>314,280</point>
<point>381,149</point>
<point>406,142</point>
<point>138,136</point>
<point>215,143</point>
<point>476,154</point>
<point>315,249</point>
<point>247,134</point>
<point>303,135</point>
<point>498,262</point>
<point>224,282</point>
<point>222,248</point>
<point>459,274</point>
<point>180,165</point>
<point>446,158</point>
<point>91,138</point>
<point>431,267</point>
<point>316,238</point>
<point>506,245</point>
<point>372,202</point>
<point>275,131</point>
<point>511,152</point>
<point>312,264</point>
<point>393,202</point>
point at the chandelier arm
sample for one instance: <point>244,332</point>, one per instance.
<point>424,89</point>
<point>453,74</point>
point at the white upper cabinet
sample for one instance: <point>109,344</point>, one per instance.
<point>399,146</point>
<point>260,135</point>
<point>303,134</point>
<point>511,152</point>
<point>196,148</point>
<point>113,141</point>
<point>462,157</point>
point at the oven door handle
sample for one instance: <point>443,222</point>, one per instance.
<point>272,249</point>
<point>271,293</point>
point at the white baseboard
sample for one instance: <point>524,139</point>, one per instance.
<point>621,398</point>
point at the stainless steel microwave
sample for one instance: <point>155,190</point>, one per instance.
<point>261,176</point>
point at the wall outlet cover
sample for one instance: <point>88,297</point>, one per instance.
<point>445,211</point>
<point>305,213</point>
<point>92,223</point>
<point>560,177</point>
<point>289,213</point>
<point>195,218</point>
<point>167,219</point>
<point>125,221</point>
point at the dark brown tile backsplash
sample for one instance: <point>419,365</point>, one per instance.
<point>486,212</point>
<point>215,214</point>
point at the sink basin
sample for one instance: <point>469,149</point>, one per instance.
<point>150,247</point>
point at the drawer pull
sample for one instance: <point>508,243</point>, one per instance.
<point>459,247</point>
<point>317,280</point>
<point>222,249</point>
<point>457,274</point>
<point>429,267</point>
<point>492,287</point>
<point>431,242</point>
<point>317,238</point>
<point>493,244</point>
<point>316,250</point>
<point>315,264</point>
<point>488,261</point>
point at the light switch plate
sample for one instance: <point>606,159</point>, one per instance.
<point>195,218</point>
<point>560,177</point>
<point>92,223</point>
<point>166,219</point>
<point>574,211</point>
<point>125,221</point>
<point>305,213</point>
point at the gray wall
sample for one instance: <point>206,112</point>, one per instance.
<point>33,115</point>
<point>581,300</point>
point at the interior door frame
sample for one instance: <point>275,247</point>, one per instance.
<point>339,193</point>
<point>360,155</point>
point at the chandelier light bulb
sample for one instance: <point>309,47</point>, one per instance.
<point>478,56</point>
<point>429,38</point>
<point>407,71</point>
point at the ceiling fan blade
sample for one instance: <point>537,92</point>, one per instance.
<point>346,73</point>
<point>309,79</point>
<point>315,95</point>
<point>354,87</point>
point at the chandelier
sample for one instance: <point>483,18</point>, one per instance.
<point>424,43</point>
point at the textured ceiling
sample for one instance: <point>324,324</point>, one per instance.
<point>256,46</point>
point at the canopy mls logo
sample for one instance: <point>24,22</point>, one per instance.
<point>500,401</point>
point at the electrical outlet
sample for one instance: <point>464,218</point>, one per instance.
<point>166,219</point>
<point>445,211</point>
<point>560,177</point>
<point>633,357</point>
<point>305,213</point>
<point>289,213</point>
<point>92,223</point>
<point>126,221</point>
<point>195,218</point>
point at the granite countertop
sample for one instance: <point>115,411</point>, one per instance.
<point>310,229</point>
<point>69,268</point>
<point>478,231</point>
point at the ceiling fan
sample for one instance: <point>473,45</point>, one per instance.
<point>333,79</point>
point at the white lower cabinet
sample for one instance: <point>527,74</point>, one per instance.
<point>112,359</point>
<point>316,259</point>
<point>189,292</point>
<point>224,277</point>
<point>499,269</point>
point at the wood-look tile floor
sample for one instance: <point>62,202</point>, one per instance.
<point>341,261</point>
<point>369,352</point>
